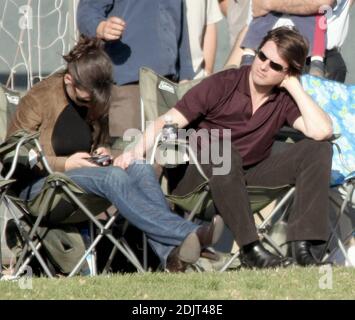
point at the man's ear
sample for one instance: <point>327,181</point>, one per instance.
<point>68,79</point>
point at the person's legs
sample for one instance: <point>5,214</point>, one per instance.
<point>141,203</point>
<point>237,16</point>
<point>306,165</point>
<point>152,217</point>
<point>231,200</point>
<point>229,195</point>
<point>257,30</point>
<point>144,177</point>
<point>335,67</point>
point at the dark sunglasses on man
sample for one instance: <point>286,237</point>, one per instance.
<point>273,65</point>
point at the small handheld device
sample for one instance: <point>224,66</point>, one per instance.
<point>100,160</point>
<point>169,130</point>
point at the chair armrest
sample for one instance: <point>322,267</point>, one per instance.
<point>289,133</point>
<point>295,135</point>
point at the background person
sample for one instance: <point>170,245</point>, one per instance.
<point>202,17</point>
<point>338,29</point>
<point>312,27</point>
<point>261,8</point>
<point>149,33</point>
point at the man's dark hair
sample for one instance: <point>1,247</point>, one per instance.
<point>291,46</point>
<point>91,70</point>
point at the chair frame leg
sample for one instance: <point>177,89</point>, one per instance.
<point>345,204</point>
<point>104,231</point>
<point>287,197</point>
<point>28,237</point>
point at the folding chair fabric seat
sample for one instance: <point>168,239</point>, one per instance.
<point>159,94</point>
<point>259,198</point>
<point>9,100</point>
<point>60,204</point>
<point>61,210</point>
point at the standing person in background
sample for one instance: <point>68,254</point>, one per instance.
<point>312,27</point>
<point>261,8</point>
<point>150,33</point>
<point>202,17</point>
<point>338,27</point>
<point>237,13</point>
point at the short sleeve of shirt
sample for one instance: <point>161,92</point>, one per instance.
<point>202,98</point>
<point>214,13</point>
<point>292,111</point>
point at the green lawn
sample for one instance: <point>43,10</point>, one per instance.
<point>293,283</point>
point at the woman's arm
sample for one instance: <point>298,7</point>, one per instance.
<point>30,116</point>
<point>148,138</point>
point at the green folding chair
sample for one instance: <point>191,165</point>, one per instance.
<point>61,203</point>
<point>9,100</point>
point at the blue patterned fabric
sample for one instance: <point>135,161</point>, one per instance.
<point>338,100</point>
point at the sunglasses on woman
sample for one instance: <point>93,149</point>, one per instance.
<point>273,65</point>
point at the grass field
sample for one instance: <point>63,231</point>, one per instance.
<point>293,283</point>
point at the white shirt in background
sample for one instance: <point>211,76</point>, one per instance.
<point>199,14</point>
<point>338,24</point>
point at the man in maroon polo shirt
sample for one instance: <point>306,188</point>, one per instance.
<point>254,102</point>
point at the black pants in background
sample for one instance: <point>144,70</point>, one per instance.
<point>335,67</point>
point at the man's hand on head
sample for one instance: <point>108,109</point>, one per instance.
<point>289,82</point>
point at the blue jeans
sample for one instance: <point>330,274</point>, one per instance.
<point>137,194</point>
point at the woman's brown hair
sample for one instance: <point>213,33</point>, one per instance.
<point>291,46</point>
<point>91,70</point>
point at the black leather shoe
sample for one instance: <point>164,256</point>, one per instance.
<point>301,253</point>
<point>254,255</point>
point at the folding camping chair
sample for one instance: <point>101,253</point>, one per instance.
<point>342,234</point>
<point>61,202</point>
<point>338,99</point>
<point>158,95</point>
<point>8,103</point>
